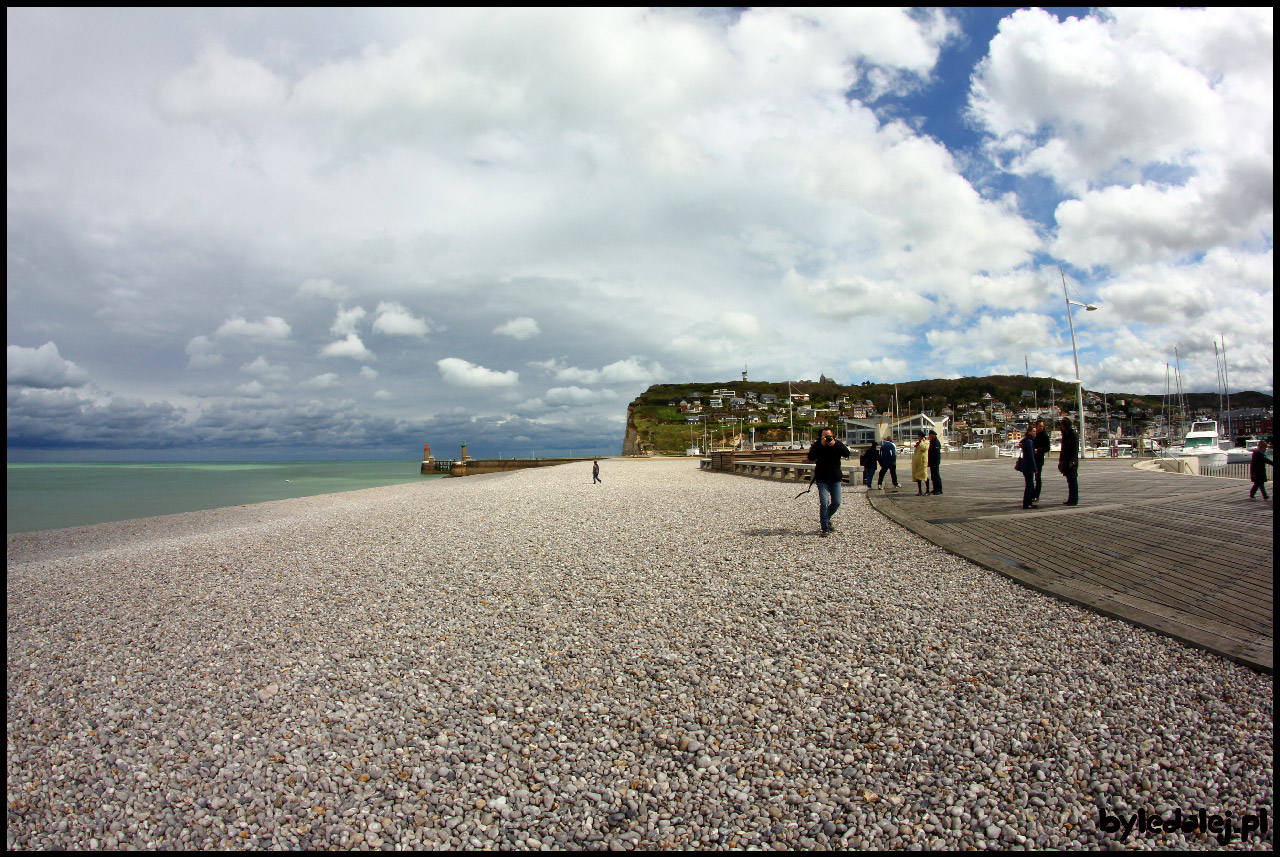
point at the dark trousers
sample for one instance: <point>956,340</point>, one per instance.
<point>1073,488</point>
<point>1029,487</point>
<point>870,474</point>
<point>937,480</point>
<point>892,470</point>
<point>1254,490</point>
<point>1039,468</point>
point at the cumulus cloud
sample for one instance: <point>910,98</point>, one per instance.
<point>264,370</point>
<point>271,329</point>
<point>350,347</point>
<point>42,367</point>
<point>347,321</point>
<point>993,341</point>
<point>460,373</point>
<point>518,328</point>
<point>1158,121</point>
<point>395,320</point>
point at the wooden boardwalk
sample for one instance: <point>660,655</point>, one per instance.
<point>1187,556</point>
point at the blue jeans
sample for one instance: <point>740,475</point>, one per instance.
<point>869,473</point>
<point>828,502</point>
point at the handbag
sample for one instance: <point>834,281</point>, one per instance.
<point>1017,464</point>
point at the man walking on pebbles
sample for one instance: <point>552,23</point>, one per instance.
<point>826,454</point>
<point>595,472</point>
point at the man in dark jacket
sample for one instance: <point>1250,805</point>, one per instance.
<point>826,454</point>
<point>888,462</point>
<point>1042,449</point>
<point>935,459</point>
<point>1069,461</point>
<point>870,458</point>
<point>1258,470</point>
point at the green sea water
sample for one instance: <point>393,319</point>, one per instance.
<point>52,496</point>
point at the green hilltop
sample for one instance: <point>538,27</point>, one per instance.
<point>655,422</point>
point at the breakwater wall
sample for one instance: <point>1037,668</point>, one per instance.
<point>476,466</point>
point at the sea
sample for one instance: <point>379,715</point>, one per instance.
<point>53,496</point>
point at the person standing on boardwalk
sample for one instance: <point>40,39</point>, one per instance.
<point>1042,449</point>
<point>595,472</point>
<point>1258,470</point>
<point>935,459</point>
<point>1069,461</point>
<point>1029,468</point>
<point>870,458</point>
<point>919,457</point>
<point>888,461</point>
<point>826,454</point>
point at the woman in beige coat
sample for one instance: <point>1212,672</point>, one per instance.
<point>919,471</point>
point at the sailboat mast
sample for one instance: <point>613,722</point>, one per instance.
<point>1177,377</point>
<point>1226,385</point>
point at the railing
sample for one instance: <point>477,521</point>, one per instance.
<point>1239,470</point>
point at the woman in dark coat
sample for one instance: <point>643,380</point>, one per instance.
<point>1029,468</point>
<point>1069,461</point>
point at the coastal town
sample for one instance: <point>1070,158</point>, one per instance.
<point>749,414</point>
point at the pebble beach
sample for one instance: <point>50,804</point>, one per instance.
<point>669,659</point>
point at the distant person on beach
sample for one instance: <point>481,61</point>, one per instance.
<point>935,459</point>
<point>1042,450</point>
<point>595,472</point>
<point>1029,468</point>
<point>888,461</point>
<point>1258,470</point>
<point>1069,461</point>
<point>826,454</point>
<point>919,459</point>
<point>870,458</point>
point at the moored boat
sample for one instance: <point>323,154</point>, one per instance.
<point>1201,442</point>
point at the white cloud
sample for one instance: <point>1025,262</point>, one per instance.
<point>460,373</point>
<point>368,373</point>
<point>323,288</point>
<point>270,329</point>
<point>995,342</point>
<point>394,320</point>
<point>577,396</point>
<point>219,85</point>
<point>202,353</point>
<point>518,328</point>
<point>350,347</point>
<point>266,371</point>
<point>251,390</point>
<point>347,321</point>
<point>42,367</point>
<point>321,382</point>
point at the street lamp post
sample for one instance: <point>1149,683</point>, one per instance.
<point>1075,356</point>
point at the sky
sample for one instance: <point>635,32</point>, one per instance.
<point>339,233</point>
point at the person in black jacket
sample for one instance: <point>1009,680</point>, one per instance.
<point>1028,468</point>
<point>870,458</point>
<point>1069,461</point>
<point>1042,449</point>
<point>826,454</point>
<point>1258,470</point>
<point>935,459</point>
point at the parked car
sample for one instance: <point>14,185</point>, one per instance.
<point>975,445</point>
